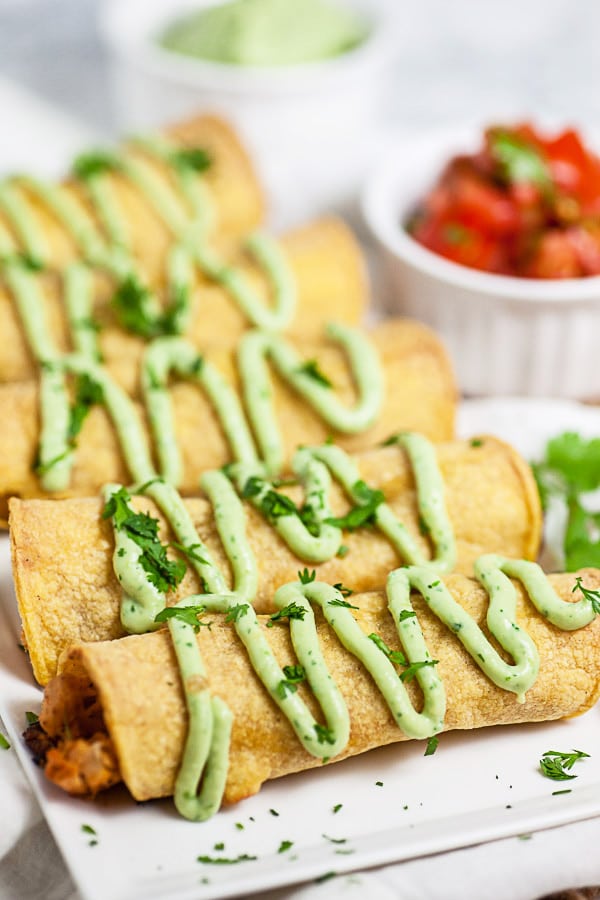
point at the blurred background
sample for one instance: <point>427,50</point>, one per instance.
<point>453,59</point>
<point>444,62</point>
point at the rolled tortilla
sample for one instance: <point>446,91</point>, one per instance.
<point>327,265</point>
<point>419,396</point>
<point>62,550</point>
<point>230,179</point>
<point>140,694</point>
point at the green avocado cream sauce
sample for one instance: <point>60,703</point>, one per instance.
<point>266,32</point>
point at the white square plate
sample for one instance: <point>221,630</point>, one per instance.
<point>395,804</point>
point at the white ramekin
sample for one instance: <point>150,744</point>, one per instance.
<point>309,127</point>
<point>506,335</point>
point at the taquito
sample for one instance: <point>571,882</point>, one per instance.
<point>231,181</point>
<point>138,686</point>
<point>419,396</point>
<point>326,263</point>
<point>62,550</point>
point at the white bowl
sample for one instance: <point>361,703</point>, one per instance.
<point>305,125</point>
<point>506,335</point>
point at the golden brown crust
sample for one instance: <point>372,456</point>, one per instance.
<point>411,358</point>
<point>62,550</point>
<point>327,265</point>
<point>147,724</point>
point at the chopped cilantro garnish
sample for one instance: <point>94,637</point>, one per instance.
<point>142,529</point>
<point>31,718</point>
<point>520,161</point>
<point>589,594</point>
<point>395,656</point>
<point>131,305</point>
<point>190,552</point>
<point>556,765</point>
<point>285,845</point>
<point>342,603</point>
<point>368,500</point>
<point>412,670</point>
<point>87,829</point>
<point>324,735</point>
<point>342,551</point>
<point>335,840</point>
<point>565,791</point>
<point>274,812</point>
<point>432,745</point>
<point>87,393</point>
<point>235,613</point>
<point>4,742</point>
<point>272,504</point>
<point>291,611</point>
<point>195,158</point>
<point>294,673</point>
<point>187,614</point>
<point>325,877</point>
<point>239,826</point>
<point>379,783</point>
<point>219,846</point>
<point>337,807</point>
<point>406,614</point>
<point>476,442</point>
<point>96,162</point>
<point>344,591</point>
<point>223,861</point>
<point>312,370</point>
<point>306,577</point>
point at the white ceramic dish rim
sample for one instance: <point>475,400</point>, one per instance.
<point>137,43</point>
<point>384,212</point>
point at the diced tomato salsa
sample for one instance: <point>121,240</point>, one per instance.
<point>524,205</point>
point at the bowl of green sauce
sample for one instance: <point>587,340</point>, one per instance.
<point>303,82</point>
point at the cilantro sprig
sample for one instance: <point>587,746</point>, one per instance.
<point>570,469</point>
<point>589,594</point>
<point>188,614</point>
<point>556,764</point>
<point>363,513</point>
<point>164,573</point>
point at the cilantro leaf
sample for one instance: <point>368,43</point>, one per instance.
<point>395,656</point>
<point>223,861</point>
<point>190,552</point>
<point>363,513</point>
<point>519,160</point>
<point>412,670</point>
<point>311,369</point>
<point>432,745</point>
<point>235,613</point>
<point>96,162</point>
<point>142,529</point>
<point>291,611</point>
<point>589,594</point>
<point>4,742</point>
<point>344,591</point>
<point>87,393</point>
<point>285,845</point>
<point>341,603</point>
<point>187,614</point>
<point>195,158</point>
<point>324,735</point>
<point>571,467</point>
<point>306,577</point>
<point>295,674</point>
<point>556,764</point>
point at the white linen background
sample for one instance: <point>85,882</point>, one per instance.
<point>456,60</point>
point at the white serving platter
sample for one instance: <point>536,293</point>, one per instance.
<point>396,804</point>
